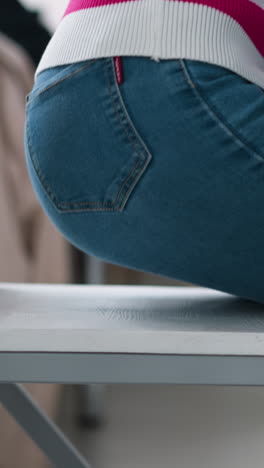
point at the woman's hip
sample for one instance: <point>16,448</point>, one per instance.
<point>162,173</point>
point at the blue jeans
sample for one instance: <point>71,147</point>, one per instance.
<point>163,173</point>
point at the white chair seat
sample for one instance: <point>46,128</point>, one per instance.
<point>128,319</point>
<point>120,334</point>
<point>108,333</point>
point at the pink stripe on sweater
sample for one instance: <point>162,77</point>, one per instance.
<point>76,5</point>
<point>245,12</point>
<point>249,15</point>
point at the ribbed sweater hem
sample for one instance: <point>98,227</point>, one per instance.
<point>160,29</point>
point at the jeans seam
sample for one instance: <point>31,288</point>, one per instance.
<point>132,139</point>
<point>213,112</point>
<point>63,79</point>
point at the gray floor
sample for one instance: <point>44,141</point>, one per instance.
<point>167,426</point>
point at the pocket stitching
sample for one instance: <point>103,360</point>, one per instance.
<point>47,188</point>
<point>36,166</point>
<point>210,108</point>
<point>129,131</point>
<point>100,206</point>
<point>87,65</point>
<point>128,126</point>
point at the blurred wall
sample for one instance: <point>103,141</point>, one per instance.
<point>31,249</point>
<point>51,11</point>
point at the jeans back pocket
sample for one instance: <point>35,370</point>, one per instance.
<point>81,141</point>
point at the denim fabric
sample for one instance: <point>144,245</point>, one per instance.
<point>163,173</point>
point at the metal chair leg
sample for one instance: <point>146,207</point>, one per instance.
<point>40,428</point>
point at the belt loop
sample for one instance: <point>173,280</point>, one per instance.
<point>119,69</point>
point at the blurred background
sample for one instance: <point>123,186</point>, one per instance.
<point>50,12</point>
<point>116,426</point>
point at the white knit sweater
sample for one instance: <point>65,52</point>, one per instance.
<point>229,33</point>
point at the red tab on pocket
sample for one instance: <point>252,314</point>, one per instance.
<point>119,70</point>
